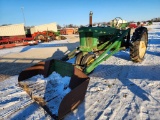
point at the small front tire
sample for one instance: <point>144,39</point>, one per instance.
<point>79,58</point>
<point>88,60</point>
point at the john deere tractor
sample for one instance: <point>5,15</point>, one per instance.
<point>99,43</point>
<point>96,45</point>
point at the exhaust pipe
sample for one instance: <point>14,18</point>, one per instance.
<point>90,18</point>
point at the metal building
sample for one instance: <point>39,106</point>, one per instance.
<point>44,27</point>
<point>12,30</point>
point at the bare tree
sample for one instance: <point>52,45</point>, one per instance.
<point>58,26</point>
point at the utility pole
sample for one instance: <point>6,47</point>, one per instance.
<point>22,8</point>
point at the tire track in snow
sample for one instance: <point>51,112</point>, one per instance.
<point>93,109</point>
<point>151,109</point>
<point>123,107</point>
<point>112,94</point>
<point>122,74</point>
<point>15,104</point>
<point>13,98</point>
<point>14,108</point>
<point>122,111</point>
<point>95,93</point>
<point>142,95</point>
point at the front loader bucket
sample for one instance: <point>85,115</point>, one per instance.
<point>78,85</point>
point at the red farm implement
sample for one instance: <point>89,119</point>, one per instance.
<point>16,41</point>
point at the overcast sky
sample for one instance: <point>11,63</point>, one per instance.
<point>63,12</point>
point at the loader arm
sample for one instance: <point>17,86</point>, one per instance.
<point>109,47</point>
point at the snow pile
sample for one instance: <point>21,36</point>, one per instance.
<point>52,89</point>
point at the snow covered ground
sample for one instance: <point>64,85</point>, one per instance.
<point>118,89</point>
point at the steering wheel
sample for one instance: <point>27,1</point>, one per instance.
<point>116,24</point>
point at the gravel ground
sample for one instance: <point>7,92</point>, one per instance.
<point>17,59</point>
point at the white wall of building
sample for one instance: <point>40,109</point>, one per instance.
<point>12,30</point>
<point>44,27</point>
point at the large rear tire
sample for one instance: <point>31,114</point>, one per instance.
<point>138,45</point>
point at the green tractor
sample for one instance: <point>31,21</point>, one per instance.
<point>99,43</point>
<point>96,45</point>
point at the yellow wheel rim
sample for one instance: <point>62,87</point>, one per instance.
<point>90,62</point>
<point>142,49</point>
<point>142,46</point>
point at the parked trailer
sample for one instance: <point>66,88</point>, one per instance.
<point>44,27</point>
<point>14,35</point>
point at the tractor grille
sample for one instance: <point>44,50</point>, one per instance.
<point>89,39</point>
